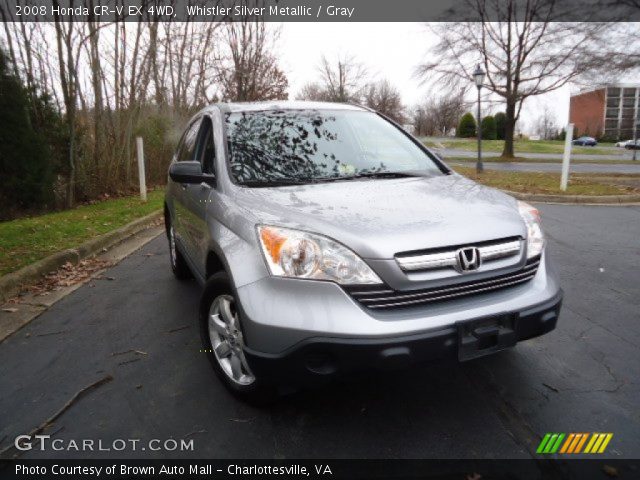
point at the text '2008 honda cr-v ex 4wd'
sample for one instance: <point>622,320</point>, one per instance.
<point>329,240</point>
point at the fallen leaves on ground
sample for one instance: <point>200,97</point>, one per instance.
<point>68,275</point>
<point>157,222</point>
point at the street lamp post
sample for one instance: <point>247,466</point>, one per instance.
<point>478,78</point>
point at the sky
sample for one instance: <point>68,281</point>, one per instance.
<point>387,50</point>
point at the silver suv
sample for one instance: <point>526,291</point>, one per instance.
<point>329,241</point>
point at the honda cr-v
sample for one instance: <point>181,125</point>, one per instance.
<point>329,240</point>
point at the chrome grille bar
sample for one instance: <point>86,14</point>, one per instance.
<point>381,297</point>
<point>452,295</point>
<point>517,276</point>
<point>431,261</point>
<point>492,252</point>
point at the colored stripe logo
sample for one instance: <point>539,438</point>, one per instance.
<point>574,443</point>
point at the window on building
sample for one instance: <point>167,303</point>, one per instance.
<point>613,102</point>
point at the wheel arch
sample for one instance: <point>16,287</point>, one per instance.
<point>214,263</point>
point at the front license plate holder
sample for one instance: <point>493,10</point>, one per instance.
<point>480,337</point>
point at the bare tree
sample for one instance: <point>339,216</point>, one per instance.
<point>313,91</point>
<point>546,125</point>
<point>385,98</point>
<point>423,121</point>
<point>68,40</point>
<point>439,116</point>
<point>522,49</point>
<point>110,81</point>
<point>342,79</point>
<point>621,51</point>
<point>251,70</point>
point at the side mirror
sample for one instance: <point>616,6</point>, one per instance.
<point>189,172</point>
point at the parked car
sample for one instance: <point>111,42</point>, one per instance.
<point>585,141</point>
<point>631,145</point>
<point>329,240</point>
<point>623,143</point>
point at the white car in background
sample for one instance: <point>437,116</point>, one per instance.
<point>623,143</point>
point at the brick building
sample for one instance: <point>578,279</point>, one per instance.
<point>607,111</point>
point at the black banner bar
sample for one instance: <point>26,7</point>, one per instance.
<point>316,10</point>
<point>543,468</point>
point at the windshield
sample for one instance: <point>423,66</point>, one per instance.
<point>301,146</point>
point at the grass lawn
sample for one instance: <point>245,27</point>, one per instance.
<point>26,240</point>
<point>549,183</point>
<point>520,146</point>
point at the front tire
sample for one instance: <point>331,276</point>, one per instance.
<point>223,342</point>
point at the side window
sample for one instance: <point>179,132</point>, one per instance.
<point>206,149</point>
<point>187,150</point>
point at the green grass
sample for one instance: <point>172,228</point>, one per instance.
<point>520,146</point>
<point>549,183</point>
<point>26,240</point>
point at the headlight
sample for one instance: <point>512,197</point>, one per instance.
<point>292,253</point>
<point>535,237</point>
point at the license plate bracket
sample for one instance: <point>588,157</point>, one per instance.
<point>480,337</point>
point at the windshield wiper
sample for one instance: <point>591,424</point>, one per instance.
<point>305,181</point>
<point>276,183</point>
<point>382,174</point>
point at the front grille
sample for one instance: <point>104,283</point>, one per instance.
<point>440,258</point>
<point>382,297</point>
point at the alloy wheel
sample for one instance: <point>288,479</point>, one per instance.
<point>227,340</point>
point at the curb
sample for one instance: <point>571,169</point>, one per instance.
<point>576,199</point>
<point>12,283</point>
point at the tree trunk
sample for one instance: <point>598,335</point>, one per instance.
<point>96,79</point>
<point>509,129</point>
<point>71,180</point>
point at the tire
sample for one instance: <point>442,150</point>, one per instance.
<point>179,265</point>
<point>223,342</point>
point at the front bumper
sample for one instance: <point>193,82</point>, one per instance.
<point>321,358</point>
<point>279,313</point>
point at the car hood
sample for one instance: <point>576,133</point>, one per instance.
<point>378,218</point>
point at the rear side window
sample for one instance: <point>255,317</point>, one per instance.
<point>187,150</point>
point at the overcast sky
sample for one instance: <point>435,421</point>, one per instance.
<point>388,50</point>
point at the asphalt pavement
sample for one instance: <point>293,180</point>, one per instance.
<point>138,324</point>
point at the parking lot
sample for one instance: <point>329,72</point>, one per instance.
<point>138,324</point>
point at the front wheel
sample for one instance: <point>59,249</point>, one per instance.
<point>223,341</point>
